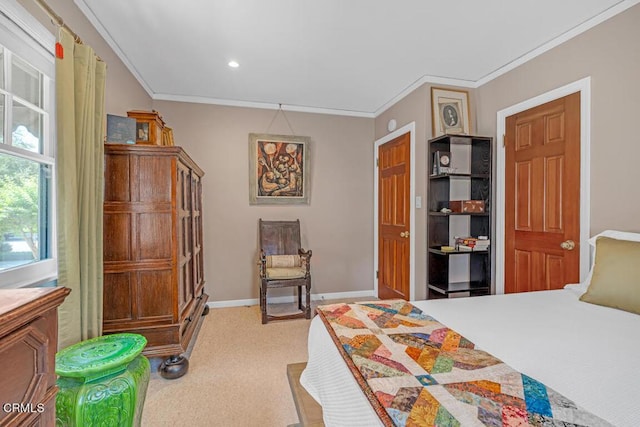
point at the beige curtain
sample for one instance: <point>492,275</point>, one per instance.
<point>80,82</point>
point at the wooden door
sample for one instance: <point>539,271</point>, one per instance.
<point>542,200</point>
<point>394,172</point>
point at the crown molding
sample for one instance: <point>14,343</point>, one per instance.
<point>445,81</point>
<point>263,105</point>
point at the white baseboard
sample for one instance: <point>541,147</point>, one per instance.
<point>291,298</point>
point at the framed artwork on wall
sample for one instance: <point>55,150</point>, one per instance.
<point>278,169</point>
<point>450,111</point>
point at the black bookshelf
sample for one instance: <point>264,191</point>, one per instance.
<point>475,176</point>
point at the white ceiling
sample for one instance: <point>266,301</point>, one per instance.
<point>352,57</point>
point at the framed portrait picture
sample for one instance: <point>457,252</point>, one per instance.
<point>278,169</point>
<point>450,111</point>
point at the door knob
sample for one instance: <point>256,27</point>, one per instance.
<point>404,234</point>
<point>568,245</point>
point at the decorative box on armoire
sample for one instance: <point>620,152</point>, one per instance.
<point>153,256</point>
<point>149,127</point>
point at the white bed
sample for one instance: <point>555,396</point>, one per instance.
<point>588,353</point>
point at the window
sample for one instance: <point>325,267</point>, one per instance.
<point>27,162</point>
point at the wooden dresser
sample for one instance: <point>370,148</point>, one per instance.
<point>153,259</point>
<point>28,345</point>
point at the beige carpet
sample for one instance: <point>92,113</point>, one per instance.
<point>237,373</point>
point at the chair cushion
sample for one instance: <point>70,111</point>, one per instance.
<point>283,261</point>
<point>286,273</point>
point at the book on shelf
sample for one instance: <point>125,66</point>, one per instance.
<point>473,243</point>
<point>481,247</point>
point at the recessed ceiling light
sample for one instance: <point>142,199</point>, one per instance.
<point>233,64</point>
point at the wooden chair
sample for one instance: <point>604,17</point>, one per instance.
<point>283,263</point>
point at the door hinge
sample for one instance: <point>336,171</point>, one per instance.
<point>377,274</point>
<point>377,162</point>
<point>504,140</point>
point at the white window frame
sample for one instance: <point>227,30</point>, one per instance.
<point>23,35</point>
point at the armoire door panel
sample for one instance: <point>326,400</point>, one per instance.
<point>153,241</point>
<point>197,267</point>
<point>117,225</point>
<point>154,295</point>
<point>186,237</point>
<point>197,239</point>
<point>118,297</point>
<point>186,284</point>
<point>154,177</point>
<point>116,172</point>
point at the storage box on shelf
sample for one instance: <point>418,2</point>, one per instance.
<point>468,181</point>
<point>472,206</point>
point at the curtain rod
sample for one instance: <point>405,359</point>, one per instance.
<point>57,19</point>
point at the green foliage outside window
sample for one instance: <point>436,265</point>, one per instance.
<point>20,204</point>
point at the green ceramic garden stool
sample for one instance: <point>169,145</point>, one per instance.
<point>103,382</point>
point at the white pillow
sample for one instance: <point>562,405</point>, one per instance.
<point>581,288</point>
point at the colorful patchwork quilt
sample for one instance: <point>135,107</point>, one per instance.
<point>417,372</point>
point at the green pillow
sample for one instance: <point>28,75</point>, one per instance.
<point>616,275</point>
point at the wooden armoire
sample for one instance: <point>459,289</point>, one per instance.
<point>153,256</point>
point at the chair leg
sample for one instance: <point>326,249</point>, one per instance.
<point>307,308</point>
<point>299,297</point>
<point>263,302</point>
